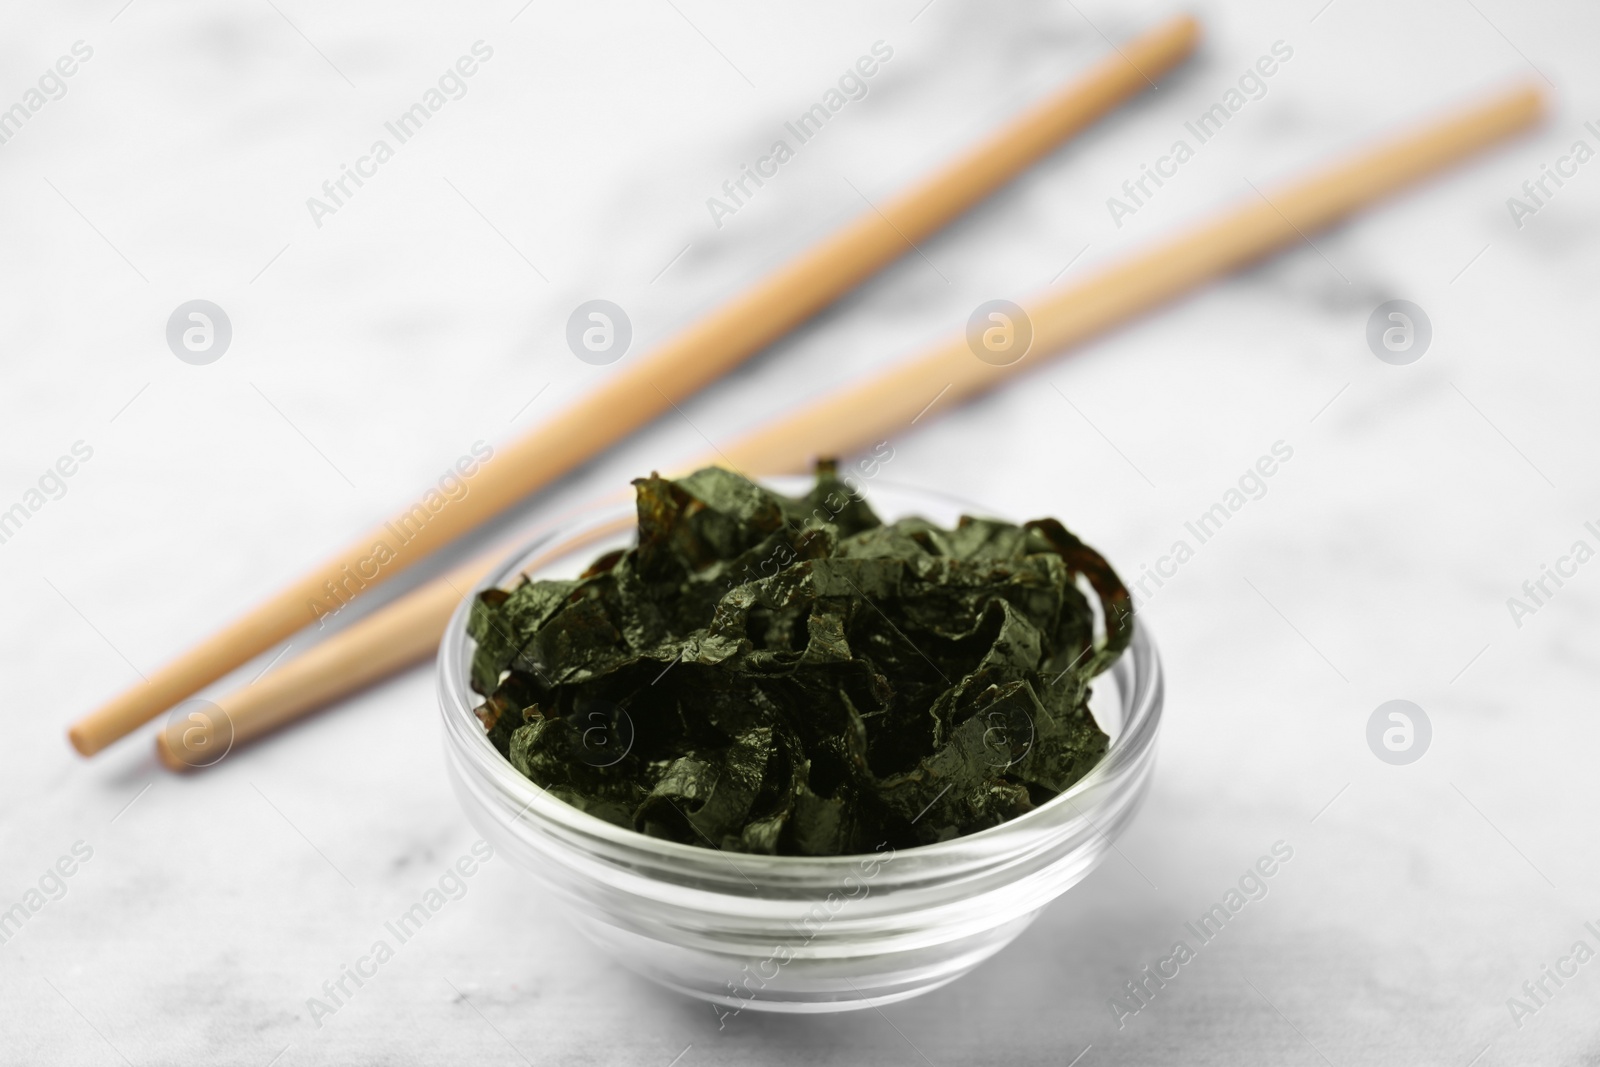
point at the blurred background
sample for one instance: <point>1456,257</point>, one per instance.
<point>372,344</point>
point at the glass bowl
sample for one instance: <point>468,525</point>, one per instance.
<point>793,933</point>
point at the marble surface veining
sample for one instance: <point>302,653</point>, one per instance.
<point>376,339</point>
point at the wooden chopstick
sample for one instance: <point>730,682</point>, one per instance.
<point>674,371</point>
<point>410,628</point>
<point>1262,224</point>
<point>401,635</point>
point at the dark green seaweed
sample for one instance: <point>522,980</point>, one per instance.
<point>790,675</point>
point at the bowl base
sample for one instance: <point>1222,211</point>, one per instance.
<point>801,984</point>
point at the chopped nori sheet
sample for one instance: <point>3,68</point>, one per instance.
<point>791,675</point>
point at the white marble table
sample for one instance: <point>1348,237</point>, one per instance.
<point>373,344</point>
